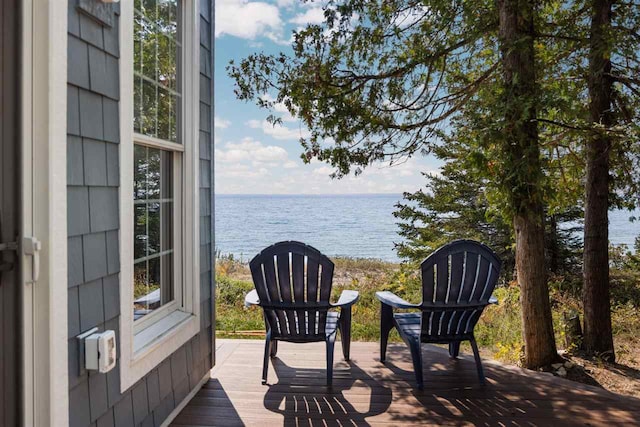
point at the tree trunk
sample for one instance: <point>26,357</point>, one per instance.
<point>598,338</point>
<point>523,177</point>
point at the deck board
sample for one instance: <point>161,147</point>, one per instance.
<point>367,392</point>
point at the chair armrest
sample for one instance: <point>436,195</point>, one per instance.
<point>251,299</point>
<point>347,299</point>
<point>493,300</point>
<point>391,299</point>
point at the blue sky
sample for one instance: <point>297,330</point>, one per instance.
<point>252,156</point>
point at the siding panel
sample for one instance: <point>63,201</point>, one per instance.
<point>90,115</point>
<point>140,401</point>
<point>78,53</point>
<point>103,206</point>
<point>91,31</point>
<point>77,210</point>
<point>106,420</point>
<point>93,218</point>
<point>91,305</point>
<point>75,171</point>
<point>94,248</point>
<point>111,292</point>
<point>73,321</point>
<point>73,111</point>
<point>79,400</point>
<point>75,268</point>
<point>123,411</point>
<point>95,162</point>
<point>113,252</point>
<point>111,121</point>
<point>98,393</point>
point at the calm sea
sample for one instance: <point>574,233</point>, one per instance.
<point>348,225</point>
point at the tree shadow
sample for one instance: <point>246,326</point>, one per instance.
<point>453,393</point>
<point>202,411</point>
<point>624,370</point>
<point>302,397</point>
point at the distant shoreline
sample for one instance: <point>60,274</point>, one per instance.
<point>360,225</point>
<point>310,195</point>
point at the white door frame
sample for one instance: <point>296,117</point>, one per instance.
<point>44,207</point>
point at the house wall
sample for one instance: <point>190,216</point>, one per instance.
<point>93,223</point>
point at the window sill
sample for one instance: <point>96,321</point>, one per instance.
<point>156,343</point>
<point>147,339</point>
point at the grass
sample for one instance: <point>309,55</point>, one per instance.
<point>498,332</point>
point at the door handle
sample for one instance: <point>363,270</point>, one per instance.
<point>32,246</point>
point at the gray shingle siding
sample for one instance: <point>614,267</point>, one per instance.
<point>93,180</point>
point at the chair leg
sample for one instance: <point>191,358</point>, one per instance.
<point>386,324</point>
<point>345,331</point>
<point>476,355</point>
<point>274,348</point>
<point>416,357</point>
<point>454,349</point>
<point>267,351</point>
<point>330,344</point>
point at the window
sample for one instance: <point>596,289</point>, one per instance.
<point>159,240</point>
<point>156,239</point>
<point>157,157</point>
<point>157,53</point>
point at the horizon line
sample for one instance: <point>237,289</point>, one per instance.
<point>309,194</point>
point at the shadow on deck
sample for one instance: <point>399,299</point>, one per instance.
<point>366,392</point>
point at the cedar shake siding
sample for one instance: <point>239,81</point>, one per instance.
<point>93,224</point>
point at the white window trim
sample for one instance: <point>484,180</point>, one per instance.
<point>139,353</point>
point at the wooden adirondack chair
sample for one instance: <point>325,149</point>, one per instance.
<point>457,282</point>
<point>293,286</point>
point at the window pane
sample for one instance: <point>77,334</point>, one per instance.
<point>140,231</point>
<point>166,232</point>
<point>153,229</point>
<point>140,290</point>
<point>149,9</point>
<point>137,105</point>
<point>149,107</point>
<point>167,62</point>
<point>153,210</point>
<point>157,69</point>
<point>167,21</point>
<point>140,172</point>
<point>137,43</point>
<point>164,115</point>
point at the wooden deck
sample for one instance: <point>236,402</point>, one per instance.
<point>366,392</point>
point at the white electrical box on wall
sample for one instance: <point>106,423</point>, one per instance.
<point>100,351</point>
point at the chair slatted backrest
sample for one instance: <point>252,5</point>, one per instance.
<point>457,281</point>
<point>293,281</point>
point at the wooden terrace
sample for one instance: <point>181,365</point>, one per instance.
<point>366,392</point>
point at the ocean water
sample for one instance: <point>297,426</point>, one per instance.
<point>338,225</point>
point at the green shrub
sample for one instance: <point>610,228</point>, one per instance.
<point>230,291</point>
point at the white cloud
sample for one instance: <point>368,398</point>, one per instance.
<point>278,131</point>
<point>315,179</point>
<point>248,20</point>
<point>323,171</point>
<point>250,150</point>
<point>221,123</point>
<point>314,15</point>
